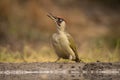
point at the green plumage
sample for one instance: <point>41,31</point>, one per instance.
<point>63,42</point>
<point>73,47</point>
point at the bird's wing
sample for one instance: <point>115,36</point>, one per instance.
<point>72,45</point>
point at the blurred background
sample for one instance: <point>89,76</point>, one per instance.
<point>25,29</point>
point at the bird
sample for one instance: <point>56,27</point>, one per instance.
<point>62,42</point>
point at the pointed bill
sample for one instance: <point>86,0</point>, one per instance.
<point>52,17</point>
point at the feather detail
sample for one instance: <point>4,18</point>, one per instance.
<point>73,47</point>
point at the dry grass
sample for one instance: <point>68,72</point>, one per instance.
<point>46,54</point>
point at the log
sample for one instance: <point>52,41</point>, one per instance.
<point>60,71</point>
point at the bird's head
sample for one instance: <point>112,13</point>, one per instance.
<point>60,22</point>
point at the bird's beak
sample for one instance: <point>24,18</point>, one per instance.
<point>54,18</point>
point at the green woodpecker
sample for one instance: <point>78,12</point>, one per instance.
<point>62,41</point>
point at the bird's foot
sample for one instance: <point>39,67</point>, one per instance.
<point>57,60</point>
<point>79,61</point>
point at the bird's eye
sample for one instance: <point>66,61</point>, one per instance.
<point>60,20</point>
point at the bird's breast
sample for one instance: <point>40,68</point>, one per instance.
<point>63,39</point>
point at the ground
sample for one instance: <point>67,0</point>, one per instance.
<point>60,71</point>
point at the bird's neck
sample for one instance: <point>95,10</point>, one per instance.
<point>61,30</point>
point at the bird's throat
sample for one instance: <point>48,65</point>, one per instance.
<point>61,29</point>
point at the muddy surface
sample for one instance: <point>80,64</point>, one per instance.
<point>60,71</point>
